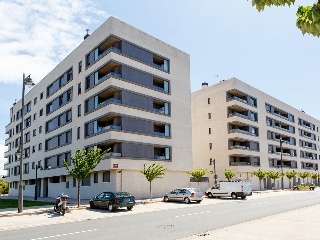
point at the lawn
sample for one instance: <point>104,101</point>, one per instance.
<point>9,203</point>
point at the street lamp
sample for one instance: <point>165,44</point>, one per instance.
<point>281,141</point>
<point>26,81</point>
<point>215,176</point>
<point>36,187</point>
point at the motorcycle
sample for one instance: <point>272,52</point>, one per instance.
<point>61,204</point>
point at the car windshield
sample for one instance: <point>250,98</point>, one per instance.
<point>121,194</point>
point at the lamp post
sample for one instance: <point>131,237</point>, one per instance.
<point>281,141</point>
<point>215,177</point>
<point>26,81</point>
<point>36,186</point>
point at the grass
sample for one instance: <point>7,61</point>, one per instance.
<point>10,203</point>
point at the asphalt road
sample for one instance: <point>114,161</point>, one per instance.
<point>172,223</point>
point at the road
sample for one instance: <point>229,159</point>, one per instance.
<point>166,220</point>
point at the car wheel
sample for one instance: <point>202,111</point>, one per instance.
<point>210,195</point>
<point>92,206</point>
<point>187,200</point>
<point>165,199</point>
<point>295,188</point>
<point>129,208</point>
<point>234,195</point>
<point>311,188</point>
<point>110,207</point>
<point>243,197</point>
<point>199,201</point>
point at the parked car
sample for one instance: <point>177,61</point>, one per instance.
<point>304,186</point>
<point>186,195</point>
<point>234,189</point>
<point>113,200</point>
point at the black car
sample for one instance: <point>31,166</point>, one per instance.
<point>113,200</point>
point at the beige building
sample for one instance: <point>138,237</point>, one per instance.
<point>121,89</point>
<point>239,127</point>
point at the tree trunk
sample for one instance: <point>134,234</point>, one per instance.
<point>150,191</point>
<point>260,184</point>
<point>274,184</point>
<point>79,193</point>
<point>289,183</point>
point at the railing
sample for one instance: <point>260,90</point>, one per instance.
<point>238,115</point>
<point>109,50</point>
<point>159,157</point>
<point>240,163</point>
<point>241,131</point>
<point>159,134</point>
<point>158,88</point>
<point>158,66</point>
<point>237,98</point>
<point>112,154</point>
<point>158,110</point>
<point>279,115</point>
<point>100,129</point>
<point>239,147</point>
<point>108,101</point>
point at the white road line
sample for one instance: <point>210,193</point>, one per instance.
<point>64,234</point>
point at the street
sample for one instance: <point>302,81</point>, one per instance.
<point>157,220</point>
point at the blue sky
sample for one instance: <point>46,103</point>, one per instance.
<point>225,38</point>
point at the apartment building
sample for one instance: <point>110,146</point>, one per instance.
<point>239,127</point>
<point>120,89</point>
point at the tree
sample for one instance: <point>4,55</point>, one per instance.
<point>290,175</point>
<point>308,17</point>
<point>274,175</point>
<point>304,175</point>
<point>314,176</point>
<point>153,172</point>
<point>229,174</point>
<point>260,174</point>
<point>197,174</point>
<point>83,163</point>
<point>4,187</point>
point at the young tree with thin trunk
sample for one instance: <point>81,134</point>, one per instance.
<point>229,174</point>
<point>260,174</point>
<point>153,172</point>
<point>274,175</point>
<point>314,176</point>
<point>290,175</point>
<point>304,175</point>
<point>197,174</point>
<point>83,163</point>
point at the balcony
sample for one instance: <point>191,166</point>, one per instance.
<point>109,100</point>
<point>101,129</point>
<point>161,107</point>
<point>160,85</point>
<point>160,63</point>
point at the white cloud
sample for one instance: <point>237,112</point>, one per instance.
<point>3,148</point>
<point>36,35</point>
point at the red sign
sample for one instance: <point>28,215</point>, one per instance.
<point>115,165</point>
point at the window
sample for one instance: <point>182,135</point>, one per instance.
<point>209,115</point>
<point>35,101</point>
<point>208,100</point>
<point>27,122</point>
<point>27,137</point>
<point>40,146</point>
<point>209,130</point>
<point>74,182</point>
<point>95,177</point>
<point>78,133</point>
<point>33,149</point>
<point>34,116</point>
<point>34,132</point>
<point>40,129</point>
<point>79,88</point>
<point>79,110</point>
<point>80,67</point>
<point>41,112</point>
<point>106,176</point>
<point>41,95</point>
<point>86,181</point>
<point>210,146</point>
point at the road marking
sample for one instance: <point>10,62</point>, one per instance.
<point>64,234</point>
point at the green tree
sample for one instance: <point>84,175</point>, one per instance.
<point>290,175</point>
<point>314,176</point>
<point>229,174</point>
<point>274,175</point>
<point>4,187</point>
<point>83,163</point>
<point>197,174</point>
<point>304,175</point>
<point>260,174</point>
<point>308,17</point>
<point>153,172</point>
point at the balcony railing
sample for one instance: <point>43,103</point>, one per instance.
<point>112,154</point>
<point>238,115</point>
<point>242,131</point>
<point>159,157</point>
<point>237,98</point>
<point>239,163</point>
<point>158,110</point>
<point>158,88</point>
<point>113,100</point>
<point>159,134</point>
<point>100,129</point>
<point>109,50</point>
<point>239,147</point>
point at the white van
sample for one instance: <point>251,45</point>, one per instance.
<point>234,189</point>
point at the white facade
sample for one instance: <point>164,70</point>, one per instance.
<point>239,127</point>
<point>139,84</point>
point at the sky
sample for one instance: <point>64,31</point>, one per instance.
<point>225,39</point>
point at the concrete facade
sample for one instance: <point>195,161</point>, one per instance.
<point>121,89</point>
<point>240,127</point>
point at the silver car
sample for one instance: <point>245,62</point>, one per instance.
<point>186,195</point>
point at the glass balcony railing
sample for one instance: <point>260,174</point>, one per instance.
<point>239,163</point>
<point>101,129</point>
<point>158,110</point>
<point>237,98</point>
<point>110,100</point>
<point>159,157</point>
<point>158,88</point>
<point>239,147</point>
<point>112,154</point>
<point>159,134</point>
<point>109,50</point>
